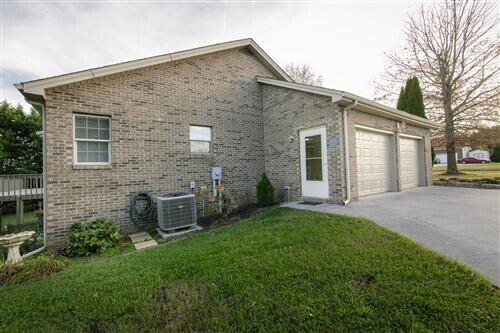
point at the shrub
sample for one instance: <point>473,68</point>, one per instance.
<point>91,238</point>
<point>265,191</point>
<point>29,269</point>
<point>495,156</point>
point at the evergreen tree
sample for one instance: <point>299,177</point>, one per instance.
<point>411,99</point>
<point>265,191</point>
<point>414,99</point>
<point>402,100</point>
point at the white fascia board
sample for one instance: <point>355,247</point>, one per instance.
<point>334,94</point>
<point>408,136</point>
<point>37,87</point>
<point>391,113</point>
<point>371,129</point>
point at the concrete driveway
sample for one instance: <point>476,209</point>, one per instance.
<point>461,223</point>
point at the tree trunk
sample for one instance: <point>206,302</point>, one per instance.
<point>449,131</point>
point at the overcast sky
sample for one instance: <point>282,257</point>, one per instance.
<point>344,41</point>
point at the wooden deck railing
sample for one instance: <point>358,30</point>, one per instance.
<point>24,187</point>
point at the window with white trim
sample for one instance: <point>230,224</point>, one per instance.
<point>92,139</point>
<point>201,138</point>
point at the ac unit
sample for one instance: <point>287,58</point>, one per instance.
<point>176,210</point>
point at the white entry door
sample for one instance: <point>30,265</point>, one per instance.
<point>314,163</point>
<point>410,163</point>
<point>375,163</point>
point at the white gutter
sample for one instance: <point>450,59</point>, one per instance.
<point>44,176</point>
<point>346,152</point>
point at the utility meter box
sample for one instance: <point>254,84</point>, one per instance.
<point>217,173</point>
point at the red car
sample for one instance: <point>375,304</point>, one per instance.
<point>471,160</point>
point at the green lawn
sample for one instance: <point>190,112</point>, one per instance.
<point>282,271</point>
<point>29,217</point>
<point>469,172</point>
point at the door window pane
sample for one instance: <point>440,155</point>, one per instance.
<point>314,169</point>
<point>313,146</point>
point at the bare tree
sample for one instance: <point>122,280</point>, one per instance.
<point>453,49</point>
<point>304,74</point>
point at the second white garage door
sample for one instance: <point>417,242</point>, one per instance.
<point>411,162</point>
<point>375,162</point>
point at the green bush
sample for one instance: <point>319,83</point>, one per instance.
<point>495,156</point>
<point>29,269</point>
<point>265,191</point>
<point>90,238</point>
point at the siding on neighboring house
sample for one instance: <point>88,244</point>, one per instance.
<point>286,112</point>
<point>151,110</point>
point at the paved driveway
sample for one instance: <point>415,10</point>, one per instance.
<point>461,223</point>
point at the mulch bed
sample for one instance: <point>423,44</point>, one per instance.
<point>467,184</point>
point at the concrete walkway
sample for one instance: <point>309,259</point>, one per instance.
<point>461,223</point>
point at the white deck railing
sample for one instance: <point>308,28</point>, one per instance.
<point>25,187</point>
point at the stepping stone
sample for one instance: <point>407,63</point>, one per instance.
<point>145,245</point>
<point>140,237</point>
<point>142,240</point>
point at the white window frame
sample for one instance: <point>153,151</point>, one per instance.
<point>209,141</point>
<point>75,140</point>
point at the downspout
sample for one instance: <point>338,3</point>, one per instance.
<point>44,175</point>
<point>346,152</point>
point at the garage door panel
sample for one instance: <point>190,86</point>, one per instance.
<point>410,163</point>
<point>374,162</point>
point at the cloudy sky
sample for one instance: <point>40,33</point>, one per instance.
<point>344,41</point>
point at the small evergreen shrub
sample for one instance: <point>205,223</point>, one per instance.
<point>90,238</point>
<point>265,191</point>
<point>495,156</point>
<point>29,269</point>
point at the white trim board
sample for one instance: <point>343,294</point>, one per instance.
<point>410,136</point>
<point>371,129</point>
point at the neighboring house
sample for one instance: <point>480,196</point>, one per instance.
<point>480,154</point>
<point>158,123</point>
<point>460,152</point>
<point>442,156</point>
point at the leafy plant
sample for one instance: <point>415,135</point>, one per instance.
<point>265,191</point>
<point>91,238</point>
<point>29,269</point>
<point>228,202</point>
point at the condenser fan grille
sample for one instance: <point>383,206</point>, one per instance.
<point>175,212</point>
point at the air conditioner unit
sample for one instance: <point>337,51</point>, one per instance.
<point>176,210</point>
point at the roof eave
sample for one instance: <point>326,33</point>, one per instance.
<point>37,87</point>
<point>383,110</point>
<point>343,98</point>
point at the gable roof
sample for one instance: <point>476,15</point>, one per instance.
<point>343,98</point>
<point>37,87</point>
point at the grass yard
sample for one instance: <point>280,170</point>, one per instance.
<point>29,217</point>
<point>282,271</point>
<point>470,172</point>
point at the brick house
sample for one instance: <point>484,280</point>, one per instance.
<point>156,124</point>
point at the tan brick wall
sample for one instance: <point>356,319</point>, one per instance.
<point>151,110</point>
<point>286,112</point>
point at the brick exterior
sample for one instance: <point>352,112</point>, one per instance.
<point>151,110</point>
<point>255,129</point>
<point>286,112</point>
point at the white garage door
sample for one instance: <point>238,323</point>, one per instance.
<point>374,162</point>
<point>410,163</point>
